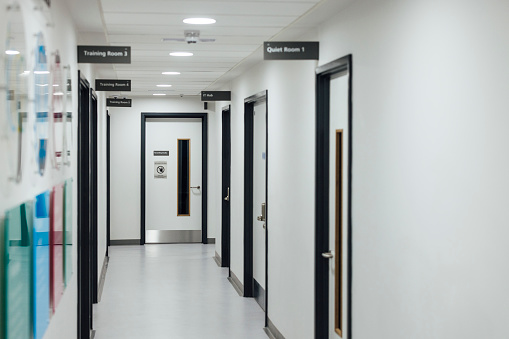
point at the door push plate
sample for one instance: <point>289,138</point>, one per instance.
<point>262,217</point>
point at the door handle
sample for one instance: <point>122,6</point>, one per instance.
<point>198,187</point>
<point>328,255</point>
<point>227,198</point>
<point>263,216</point>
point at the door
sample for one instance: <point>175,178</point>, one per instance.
<point>259,200</point>
<point>173,175</point>
<point>338,165</point>
<point>226,171</point>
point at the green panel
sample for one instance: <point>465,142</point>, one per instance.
<point>68,231</point>
<point>18,271</point>
<point>2,270</point>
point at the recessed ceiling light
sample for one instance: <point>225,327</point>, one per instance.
<point>171,73</point>
<point>199,21</point>
<point>158,94</point>
<point>162,85</point>
<point>181,54</point>
<point>12,52</point>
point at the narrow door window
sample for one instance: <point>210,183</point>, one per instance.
<point>183,175</point>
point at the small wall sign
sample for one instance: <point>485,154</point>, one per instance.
<point>216,96</point>
<point>161,153</point>
<point>104,54</point>
<point>160,169</point>
<point>113,85</point>
<point>290,50</point>
<point>119,102</point>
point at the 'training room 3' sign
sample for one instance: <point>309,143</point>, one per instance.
<point>104,54</point>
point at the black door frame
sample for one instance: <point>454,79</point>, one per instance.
<point>95,195</point>
<point>204,117</point>
<point>84,210</point>
<point>225,184</point>
<point>323,78</point>
<point>108,225</point>
<point>249,104</point>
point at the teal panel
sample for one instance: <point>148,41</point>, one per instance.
<point>2,277</point>
<point>18,271</point>
<point>41,268</point>
<point>68,205</point>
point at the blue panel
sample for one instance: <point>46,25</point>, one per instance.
<point>2,278</point>
<point>18,272</point>
<point>41,303</point>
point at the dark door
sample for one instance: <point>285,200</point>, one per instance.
<point>226,166</point>
<point>84,210</point>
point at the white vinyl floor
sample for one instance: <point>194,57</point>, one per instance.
<point>172,291</point>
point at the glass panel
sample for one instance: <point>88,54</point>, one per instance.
<point>56,246</point>
<point>184,169</point>
<point>68,232</point>
<point>41,265</point>
<point>18,251</point>
<point>13,96</point>
<point>42,83</point>
<point>2,277</point>
<point>68,120</point>
<point>59,116</point>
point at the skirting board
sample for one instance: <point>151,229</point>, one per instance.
<point>211,241</point>
<point>217,259</point>
<point>259,294</point>
<point>103,277</point>
<point>237,285</point>
<point>272,331</point>
<point>124,242</point>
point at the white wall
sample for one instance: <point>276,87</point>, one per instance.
<point>61,36</point>
<point>125,162</point>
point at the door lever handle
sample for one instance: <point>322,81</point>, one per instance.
<point>328,255</point>
<point>227,198</point>
<point>198,187</point>
<point>264,213</point>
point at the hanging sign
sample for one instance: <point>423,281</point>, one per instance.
<point>104,54</point>
<point>161,153</point>
<point>113,85</point>
<point>119,102</point>
<point>290,50</point>
<point>48,2</point>
<point>160,169</point>
<point>216,96</point>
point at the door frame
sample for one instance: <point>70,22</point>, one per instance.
<point>93,186</point>
<point>249,104</point>
<point>323,78</point>
<point>84,210</point>
<point>226,182</point>
<point>108,196</point>
<point>204,117</point>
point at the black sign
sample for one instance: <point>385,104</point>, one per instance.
<point>161,153</point>
<point>119,102</point>
<point>290,50</point>
<point>113,85</point>
<point>104,55</point>
<point>216,96</point>
<point>48,2</point>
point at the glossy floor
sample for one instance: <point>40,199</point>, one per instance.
<point>172,291</point>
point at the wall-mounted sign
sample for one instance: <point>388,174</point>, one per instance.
<point>113,85</point>
<point>119,102</point>
<point>104,54</point>
<point>216,96</point>
<point>290,50</point>
<point>160,169</point>
<point>161,153</point>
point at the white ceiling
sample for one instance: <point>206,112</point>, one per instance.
<point>241,28</point>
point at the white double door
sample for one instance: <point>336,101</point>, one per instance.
<point>173,203</point>
<point>338,206</point>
